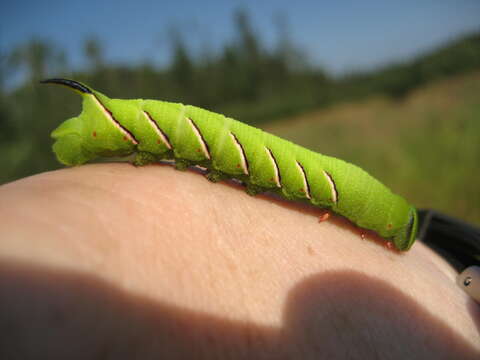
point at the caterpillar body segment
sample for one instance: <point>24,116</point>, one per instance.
<point>190,135</point>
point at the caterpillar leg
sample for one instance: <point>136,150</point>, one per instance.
<point>182,164</point>
<point>324,216</point>
<point>389,245</point>
<point>215,176</point>
<point>144,158</point>
<point>253,190</point>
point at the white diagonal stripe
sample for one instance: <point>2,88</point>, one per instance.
<point>115,122</point>
<point>199,138</point>
<point>305,183</point>
<point>276,177</point>
<point>157,129</point>
<point>333,190</point>
<point>243,160</point>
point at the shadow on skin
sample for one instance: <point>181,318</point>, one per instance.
<point>474,311</point>
<point>50,313</point>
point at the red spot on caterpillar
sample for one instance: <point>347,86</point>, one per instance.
<point>158,141</point>
<point>302,190</point>
<point>389,245</point>
<point>389,226</point>
<point>198,150</point>
<point>324,217</point>
<point>238,165</point>
<point>94,134</point>
<point>125,138</point>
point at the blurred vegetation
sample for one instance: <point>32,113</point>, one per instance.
<point>424,146</point>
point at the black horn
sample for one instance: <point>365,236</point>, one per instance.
<point>70,83</point>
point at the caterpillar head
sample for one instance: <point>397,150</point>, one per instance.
<point>93,133</point>
<point>405,238</point>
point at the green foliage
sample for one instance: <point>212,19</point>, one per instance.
<point>398,80</point>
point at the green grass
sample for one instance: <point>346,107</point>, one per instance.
<point>426,147</point>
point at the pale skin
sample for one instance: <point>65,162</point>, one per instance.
<point>112,261</point>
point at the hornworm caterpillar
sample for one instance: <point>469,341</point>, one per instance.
<point>155,130</point>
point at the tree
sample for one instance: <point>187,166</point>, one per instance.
<point>94,52</point>
<point>182,68</point>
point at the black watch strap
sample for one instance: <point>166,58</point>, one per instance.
<point>457,241</point>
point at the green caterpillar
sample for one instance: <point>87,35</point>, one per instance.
<point>157,130</point>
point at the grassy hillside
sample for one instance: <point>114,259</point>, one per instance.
<point>425,147</point>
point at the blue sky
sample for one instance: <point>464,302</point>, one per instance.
<point>340,35</point>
